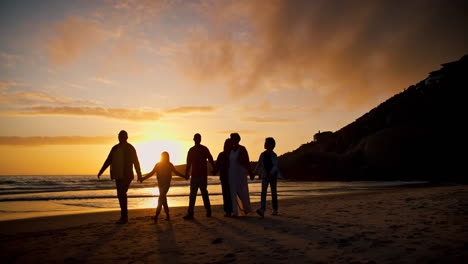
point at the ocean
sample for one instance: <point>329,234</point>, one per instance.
<point>46,195</point>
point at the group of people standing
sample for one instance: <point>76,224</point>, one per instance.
<point>233,165</point>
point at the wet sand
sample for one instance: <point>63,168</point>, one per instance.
<point>392,225</point>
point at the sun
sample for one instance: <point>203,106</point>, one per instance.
<point>149,153</point>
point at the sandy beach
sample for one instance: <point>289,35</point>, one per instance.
<point>391,225</point>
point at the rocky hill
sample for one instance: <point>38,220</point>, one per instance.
<point>415,135</point>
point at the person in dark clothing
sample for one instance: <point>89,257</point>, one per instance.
<point>196,162</point>
<point>267,168</point>
<point>222,165</point>
<point>163,171</point>
<point>121,160</point>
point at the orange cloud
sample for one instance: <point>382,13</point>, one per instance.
<point>7,84</point>
<point>26,97</point>
<point>121,58</point>
<point>59,140</point>
<point>266,106</point>
<point>115,113</point>
<point>130,114</point>
<point>72,38</point>
<point>190,109</point>
<point>242,132</point>
<point>267,120</point>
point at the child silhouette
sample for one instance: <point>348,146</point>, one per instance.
<point>163,171</point>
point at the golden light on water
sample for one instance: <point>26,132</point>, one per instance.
<point>155,191</point>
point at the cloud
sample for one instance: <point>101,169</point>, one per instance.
<point>114,113</point>
<point>7,84</point>
<point>59,140</point>
<point>350,52</point>
<point>27,97</point>
<point>137,115</point>
<point>241,132</point>
<point>264,120</point>
<point>142,9</point>
<point>122,57</point>
<point>267,107</point>
<point>73,37</point>
<point>190,109</point>
<point>103,80</point>
<point>10,60</point>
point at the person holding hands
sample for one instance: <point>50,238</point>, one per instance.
<point>163,171</point>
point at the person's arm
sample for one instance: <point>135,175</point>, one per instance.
<point>106,164</point>
<point>210,158</point>
<point>189,165</point>
<point>259,166</point>
<point>176,172</point>
<point>217,164</point>
<point>149,174</point>
<point>247,164</point>
<point>136,163</point>
<point>274,160</point>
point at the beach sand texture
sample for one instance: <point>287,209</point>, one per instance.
<point>392,225</point>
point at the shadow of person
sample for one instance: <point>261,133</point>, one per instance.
<point>101,241</point>
<point>166,249</point>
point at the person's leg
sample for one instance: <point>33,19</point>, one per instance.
<point>234,205</point>
<point>193,196</point>
<point>159,207</point>
<point>205,195</point>
<point>160,203</point>
<point>226,196</point>
<point>163,196</point>
<point>274,194</point>
<point>263,195</point>
<point>244,197</point>
<point>122,188</point>
<point>233,194</point>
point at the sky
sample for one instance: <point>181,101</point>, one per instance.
<point>75,73</point>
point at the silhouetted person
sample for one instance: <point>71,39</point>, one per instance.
<point>239,168</point>
<point>222,165</point>
<point>121,159</point>
<point>163,171</point>
<point>268,164</point>
<point>196,160</point>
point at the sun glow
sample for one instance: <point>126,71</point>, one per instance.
<point>149,153</point>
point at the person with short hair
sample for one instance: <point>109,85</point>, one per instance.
<point>197,163</point>
<point>268,165</point>
<point>121,159</point>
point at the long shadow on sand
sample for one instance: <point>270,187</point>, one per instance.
<point>165,243</point>
<point>251,239</point>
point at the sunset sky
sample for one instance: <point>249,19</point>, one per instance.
<point>75,73</point>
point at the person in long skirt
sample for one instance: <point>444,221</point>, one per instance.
<point>239,169</point>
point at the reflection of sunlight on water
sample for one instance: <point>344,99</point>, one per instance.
<point>155,191</point>
<point>148,203</point>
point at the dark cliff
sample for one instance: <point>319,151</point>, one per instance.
<point>414,135</point>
